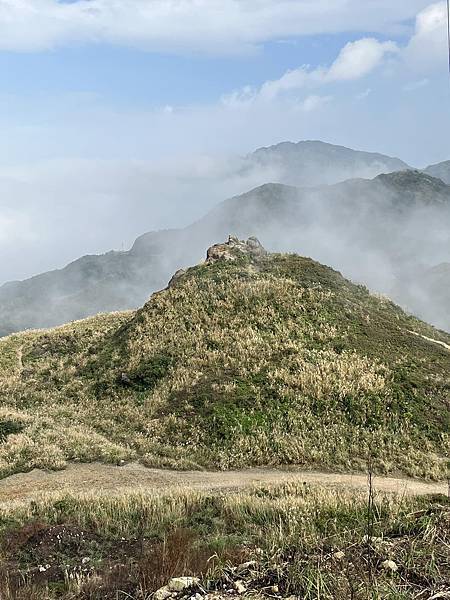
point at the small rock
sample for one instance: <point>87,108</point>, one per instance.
<point>178,584</point>
<point>274,589</point>
<point>251,564</point>
<point>162,594</point>
<point>85,560</point>
<point>42,569</point>
<point>373,539</point>
<point>124,379</point>
<point>240,587</point>
<point>389,565</point>
<point>339,555</point>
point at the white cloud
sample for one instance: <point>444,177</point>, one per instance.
<point>364,95</point>
<point>212,26</point>
<point>416,85</point>
<point>359,58</point>
<point>313,102</point>
<point>15,226</point>
<point>355,61</point>
<point>427,48</point>
<point>292,80</point>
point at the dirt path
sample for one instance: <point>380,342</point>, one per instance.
<point>428,339</point>
<point>96,477</point>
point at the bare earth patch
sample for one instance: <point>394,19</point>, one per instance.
<point>428,339</point>
<point>85,478</point>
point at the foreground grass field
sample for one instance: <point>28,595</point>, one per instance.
<point>255,360</point>
<point>311,542</point>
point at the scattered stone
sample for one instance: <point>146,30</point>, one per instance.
<point>339,555</point>
<point>124,379</point>
<point>162,594</point>
<point>373,539</point>
<point>85,560</point>
<point>179,584</point>
<point>240,587</point>
<point>389,565</point>
<point>247,566</point>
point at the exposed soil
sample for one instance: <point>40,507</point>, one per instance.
<point>428,339</point>
<point>96,477</point>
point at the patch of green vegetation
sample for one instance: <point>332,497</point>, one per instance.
<point>147,374</point>
<point>9,427</point>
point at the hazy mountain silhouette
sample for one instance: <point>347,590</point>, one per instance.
<point>376,231</point>
<point>440,170</point>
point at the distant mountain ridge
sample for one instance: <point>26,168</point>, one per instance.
<point>311,163</point>
<point>440,170</point>
<point>376,231</point>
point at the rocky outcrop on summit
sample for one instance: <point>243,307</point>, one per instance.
<point>227,252</point>
<point>230,250</point>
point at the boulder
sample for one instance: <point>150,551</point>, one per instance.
<point>162,594</point>
<point>179,584</point>
<point>389,565</point>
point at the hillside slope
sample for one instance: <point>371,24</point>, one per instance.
<point>247,359</point>
<point>375,231</point>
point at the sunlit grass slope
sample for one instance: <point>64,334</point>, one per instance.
<point>264,360</point>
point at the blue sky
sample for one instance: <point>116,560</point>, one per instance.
<point>131,77</point>
<point>121,116</point>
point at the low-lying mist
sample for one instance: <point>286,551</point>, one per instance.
<point>54,212</point>
<point>390,233</point>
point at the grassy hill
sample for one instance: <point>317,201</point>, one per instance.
<point>247,359</point>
